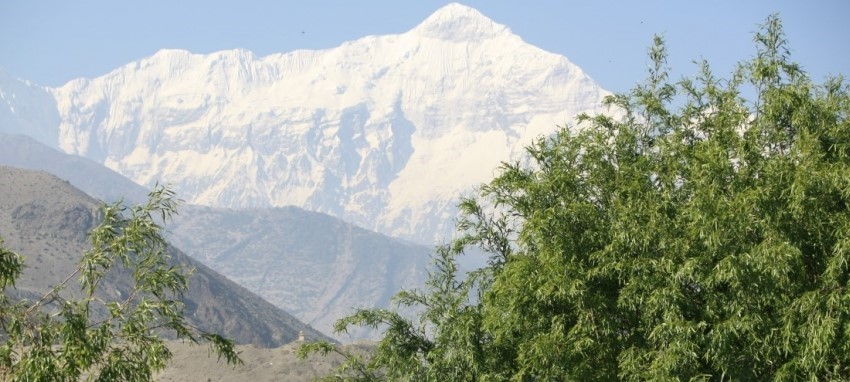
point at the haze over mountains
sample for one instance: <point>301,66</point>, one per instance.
<point>47,221</point>
<point>311,265</point>
<point>385,131</point>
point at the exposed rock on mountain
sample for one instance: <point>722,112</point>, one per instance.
<point>311,265</point>
<point>47,220</point>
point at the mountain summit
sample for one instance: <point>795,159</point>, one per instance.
<point>459,23</point>
<point>385,131</point>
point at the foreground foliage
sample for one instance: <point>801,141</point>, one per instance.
<point>57,338</point>
<point>698,235</point>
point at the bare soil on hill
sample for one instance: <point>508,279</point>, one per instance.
<point>196,363</point>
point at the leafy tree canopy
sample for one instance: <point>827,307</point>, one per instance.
<point>702,232</point>
<point>59,338</point>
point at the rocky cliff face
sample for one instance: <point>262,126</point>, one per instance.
<point>385,131</point>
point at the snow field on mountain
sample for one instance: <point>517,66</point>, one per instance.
<point>384,131</point>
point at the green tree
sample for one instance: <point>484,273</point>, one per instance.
<point>60,338</point>
<point>696,235</point>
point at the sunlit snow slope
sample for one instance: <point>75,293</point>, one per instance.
<point>385,131</point>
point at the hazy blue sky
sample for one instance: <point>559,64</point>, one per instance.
<point>51,42</point>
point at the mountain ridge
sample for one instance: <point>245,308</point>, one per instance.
<point>46,220</point>
<point>383,131</point>
<point>313,266</point>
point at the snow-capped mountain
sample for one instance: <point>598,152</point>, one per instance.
<point>26,108</point>
<point>385,131</point>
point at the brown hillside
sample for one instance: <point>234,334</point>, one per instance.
<point>47,220</point>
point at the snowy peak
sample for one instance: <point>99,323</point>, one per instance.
<point>384,131</point>
<point>459,23</point>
